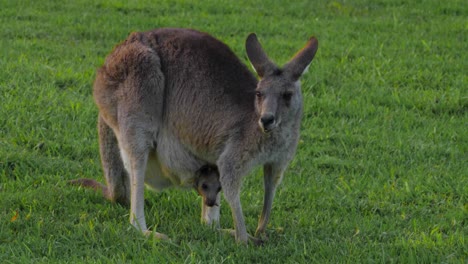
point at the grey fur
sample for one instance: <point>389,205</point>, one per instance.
<point>178,99</point>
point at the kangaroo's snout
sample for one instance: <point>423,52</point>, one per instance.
<point>210,202</point>
<point>267,122</point>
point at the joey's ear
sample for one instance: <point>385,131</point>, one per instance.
<point>191,182</point>
<point>260,61</point>
<point>299,63</point>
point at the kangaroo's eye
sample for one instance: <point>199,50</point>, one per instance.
<point>259,94</point>
<point>287,96</point>
<point>204,187</point>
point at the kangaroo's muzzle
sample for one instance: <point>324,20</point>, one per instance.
<point>210,202</point>
<point>267,122</point>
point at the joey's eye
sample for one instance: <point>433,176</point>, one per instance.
<point>287,96</point>
<point>259,94</point>
<point>204,187</point>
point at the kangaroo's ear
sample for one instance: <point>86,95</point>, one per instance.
<point>260,61</point>
<point>300,62</point>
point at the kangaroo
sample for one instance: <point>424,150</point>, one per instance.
<point>172,100</point>
<point>207,185</point>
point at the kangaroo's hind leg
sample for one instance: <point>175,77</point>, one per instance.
<point>139,117</point>
<point>117,188</point>
<point>118,182</point>
<point>135,146</point>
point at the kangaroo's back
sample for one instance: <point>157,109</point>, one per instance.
<point>208,91</point>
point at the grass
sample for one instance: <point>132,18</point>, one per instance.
<point>380,175</point>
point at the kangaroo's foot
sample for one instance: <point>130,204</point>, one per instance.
<point>261,235</point>
<point>254,240</point>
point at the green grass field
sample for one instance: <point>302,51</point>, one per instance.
<point>380,176</point>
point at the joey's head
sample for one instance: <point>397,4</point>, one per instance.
<point>278,97</point>
<point>207,184</point>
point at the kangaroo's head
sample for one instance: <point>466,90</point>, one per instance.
<point>207,184</point>
<point>278,93</point>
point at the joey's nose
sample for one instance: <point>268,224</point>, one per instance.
<point>210,202</point>
<point>267,121</point>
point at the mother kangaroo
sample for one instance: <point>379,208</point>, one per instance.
<point>173,100</point>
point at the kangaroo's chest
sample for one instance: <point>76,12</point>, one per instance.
<point>279,146</point>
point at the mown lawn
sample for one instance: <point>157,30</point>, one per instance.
<point>381,172</point>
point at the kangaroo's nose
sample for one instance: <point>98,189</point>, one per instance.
<point>210,202</point>
<point>267,120</point>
